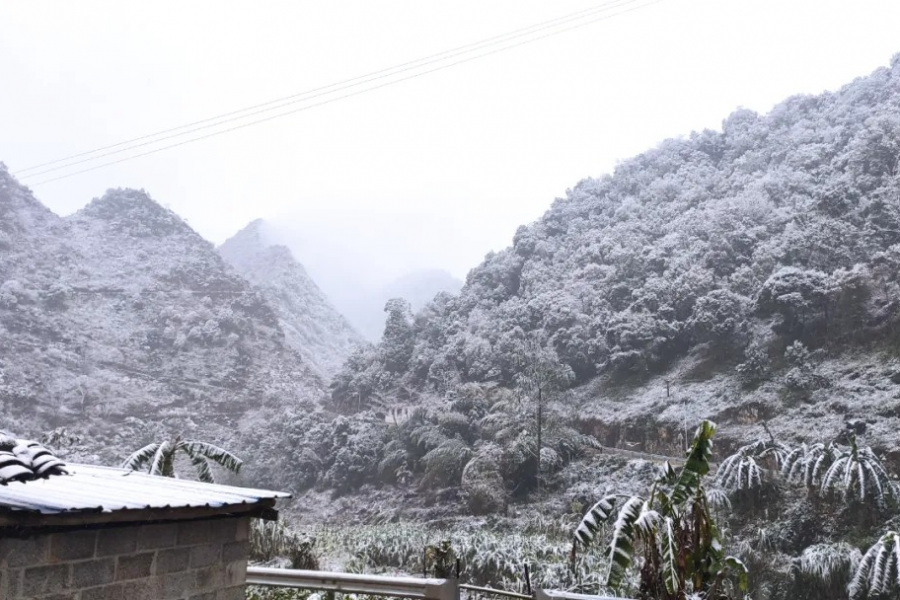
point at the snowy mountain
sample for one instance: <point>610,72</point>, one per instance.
<point>123,322</point>
<point>752,270</point>
<point>311,324</point>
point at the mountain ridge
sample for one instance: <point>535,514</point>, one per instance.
<point>122,321</point>
<point>757,254</point>
<point>311,323</point>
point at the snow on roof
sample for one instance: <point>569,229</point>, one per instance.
<point>108,494</point>
<point>23,460</point>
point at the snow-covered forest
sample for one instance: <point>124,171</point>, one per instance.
<point>744,275</point>
<point>781,229</point>
<point>750,276</point>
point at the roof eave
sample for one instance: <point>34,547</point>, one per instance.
<point>262,509</point>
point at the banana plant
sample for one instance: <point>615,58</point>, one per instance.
<point>855,471</point>
<point>158,458</point>
<point>858,473</point>
<point>807,464</point>
<point>748,468</point>
<point>670,533</point>
<point>878,573</point>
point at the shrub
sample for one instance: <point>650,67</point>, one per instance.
<point>482,484</point>
<point>270,540</point>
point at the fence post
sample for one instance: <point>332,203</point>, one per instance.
<point>447,589</point>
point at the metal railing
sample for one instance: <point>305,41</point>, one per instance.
<point>397,587</point>
<point>560,595</point>
<point>352,583</point>
<point>494,592</point>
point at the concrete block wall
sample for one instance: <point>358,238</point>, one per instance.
<point>187,560</point>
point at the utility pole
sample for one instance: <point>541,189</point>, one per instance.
<point>540,428</point>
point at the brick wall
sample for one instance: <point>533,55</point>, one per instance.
<point>190,560</point>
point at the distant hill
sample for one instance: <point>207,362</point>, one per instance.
<point>418,288</point>
<point>123,322</point>
<point>311,324</point>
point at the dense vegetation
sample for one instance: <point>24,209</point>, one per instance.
<point>781,231</point>
<point>775,522</point>
<point>438,445</point>
<point>758,253</point>
<point>490,556</point>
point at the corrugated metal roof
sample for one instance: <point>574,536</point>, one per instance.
<point>91,489</point>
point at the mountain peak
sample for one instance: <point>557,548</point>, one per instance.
<point>253,238</point>
<point>255,229</point>
<point>311,324</point>
<point>252,243</point>
<point>136,210</point>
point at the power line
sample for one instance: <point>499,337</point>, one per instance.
<point>299,98</point>
<point>124,292</point>
<point>383,72</point>
<point>330,100</point>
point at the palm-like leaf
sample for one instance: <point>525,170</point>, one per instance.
<point>696,465</point>
<point>854,470</point>
<point>597,515</point>
<point>159,458</point>
<point>220,456</point>
<point>736,566</point>
<point>667,474</point>
<point>394,459</point>
<point>807,464</point>
<point>428,437</point>
<point>768,450</point>
<point>673,528</point>
<point>140,457</point>
<point>739,472</point>
<point>670,547</point>
<point>742,470</point>
<point>879,570</point>
<point>718,498</point>
<point>162,463</point>
<point>621,548</point>
<point>204,471</point>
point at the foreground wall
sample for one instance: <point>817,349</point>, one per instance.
<point>188,560</point>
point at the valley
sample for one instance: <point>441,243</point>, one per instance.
<point>727,293</point>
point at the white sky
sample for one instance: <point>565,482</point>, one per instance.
<point>432,172</point>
